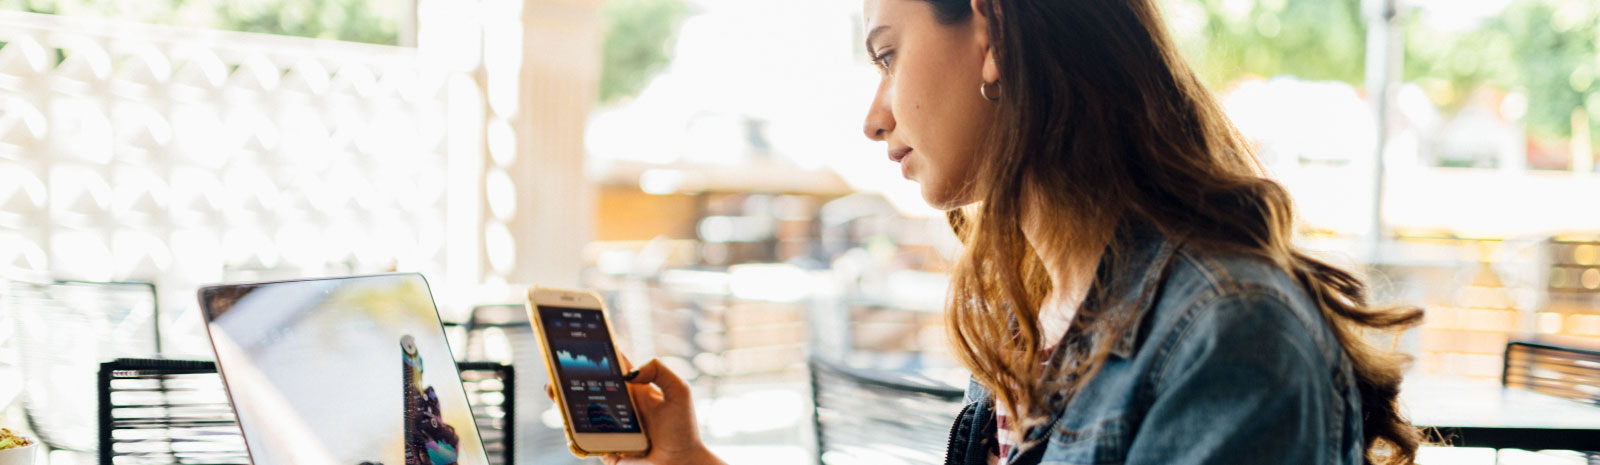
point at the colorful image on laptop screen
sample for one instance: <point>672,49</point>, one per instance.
<point>341,371</point>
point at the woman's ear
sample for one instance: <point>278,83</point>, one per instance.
<point>980,29</point>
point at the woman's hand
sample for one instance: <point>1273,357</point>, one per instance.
<point>667,410</point>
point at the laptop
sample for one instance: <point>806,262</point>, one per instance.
<point>341,371</point>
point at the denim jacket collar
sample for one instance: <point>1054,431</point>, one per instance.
<point>1141,243</point>
<point>1137,243</point>
<point>1145,254</point>
<point>1186,319</point>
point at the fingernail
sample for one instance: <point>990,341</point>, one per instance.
<point>631,375</point>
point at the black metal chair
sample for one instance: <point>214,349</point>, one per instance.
<point>1551,369</point>
<point>154,411</point>
<point>867,416</point>
<point>1561,371</point>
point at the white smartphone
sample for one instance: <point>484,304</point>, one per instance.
<point>575,334</point>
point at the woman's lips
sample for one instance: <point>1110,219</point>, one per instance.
<point>899,154</point>
<point>905,165</point>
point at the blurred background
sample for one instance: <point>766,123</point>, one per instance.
<point>701,163</point>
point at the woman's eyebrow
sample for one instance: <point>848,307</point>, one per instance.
<point>872,35</point>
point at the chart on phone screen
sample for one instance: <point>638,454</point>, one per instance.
<point>597,398</point>
<point>583,363</point>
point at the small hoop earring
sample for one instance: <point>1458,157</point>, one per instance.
<point>983,89</point>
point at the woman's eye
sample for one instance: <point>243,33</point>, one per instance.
<point>885,61</point>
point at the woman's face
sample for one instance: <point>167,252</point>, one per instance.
<point>928,108</point>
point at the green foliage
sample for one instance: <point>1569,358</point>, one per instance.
<point>1548,49</point>
<point>31,6</point>
<point>350,20</point>
<point>1312,39</point>
<point>637,45</point>
<point>1555,51</point>
<point>143,12</point>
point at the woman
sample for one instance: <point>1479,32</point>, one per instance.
<point>1128,290</point>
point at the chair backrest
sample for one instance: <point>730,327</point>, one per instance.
<point>63,331</point>
<point>175,412</point>
<point>880,417</point>
<point>1561,371</point>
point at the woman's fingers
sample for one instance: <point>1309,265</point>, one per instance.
<point>654,372</point>
<point>549,391</point>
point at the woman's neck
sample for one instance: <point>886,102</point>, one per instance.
<point>1070,263</point>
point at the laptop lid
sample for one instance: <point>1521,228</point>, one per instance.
<point>346,371</point>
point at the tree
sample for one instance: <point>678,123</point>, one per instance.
<point>1547,49</point>
<point>1311,39</point>
<point>637,45</point>
<point>349,20</point>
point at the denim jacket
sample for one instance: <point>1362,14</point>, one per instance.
<point>1226,361</point>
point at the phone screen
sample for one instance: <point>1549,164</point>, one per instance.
<point>590,380</point>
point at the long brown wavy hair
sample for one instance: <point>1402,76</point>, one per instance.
<point>1099,121</point>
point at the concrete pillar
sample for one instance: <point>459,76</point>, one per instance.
<point>528,72</point>
<point>558,82</point>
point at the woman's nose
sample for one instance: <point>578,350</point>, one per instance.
<point>879,119</point>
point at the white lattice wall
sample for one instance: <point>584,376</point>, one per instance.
<point>135,152</point>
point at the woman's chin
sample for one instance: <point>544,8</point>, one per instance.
<point>942,200</point>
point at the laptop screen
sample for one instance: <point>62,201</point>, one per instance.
<point>341,371</point>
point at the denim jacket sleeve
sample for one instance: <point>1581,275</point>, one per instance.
<point>1237,386</point>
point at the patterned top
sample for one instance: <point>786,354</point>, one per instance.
<point>1053,324</point>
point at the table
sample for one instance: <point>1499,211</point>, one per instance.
<point>1482,413</point>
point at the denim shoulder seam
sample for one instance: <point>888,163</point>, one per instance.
<point>1200,304</point>
<point>1207,268</point>
<point>1223,284</point>
<point>1205,303</point>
